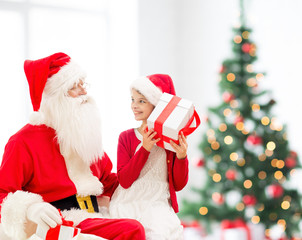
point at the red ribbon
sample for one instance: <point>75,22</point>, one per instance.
<point>159,122</point>
<point>54,233</point>
<point>238,223</point>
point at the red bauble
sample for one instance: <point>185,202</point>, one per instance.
<point>238,120</point>
<point>222,69</point>
<point>217,198</point>
<point>249,200</point>
<point>254,140</point>
<point>246,47</point>
<point>200,162</point>
<point>274,191</point>
<point>231,174</point>
<point>227,97</point>
<point>293,154</point>
<point>290,162</point>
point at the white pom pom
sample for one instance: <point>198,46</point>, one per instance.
<point>36,118</point>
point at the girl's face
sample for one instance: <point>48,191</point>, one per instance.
<point>140,106</point>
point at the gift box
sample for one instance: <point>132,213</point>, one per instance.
<point>66,231</point>
<point>172,115</point>
<point>235,230</point>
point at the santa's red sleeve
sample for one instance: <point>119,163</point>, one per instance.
<point>16,169</point>
<point>108,178</point>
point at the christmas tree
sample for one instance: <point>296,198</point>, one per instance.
<point>247,156</point>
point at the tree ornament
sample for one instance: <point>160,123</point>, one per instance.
<point>199,162</point>
<point>227,97</point>
<point>238,120</point>
<point>231,174</point>
<point>249,200</point>
<point>218,198</point>
<point>222,69</point>
<point>274,191</point>
<point>293,154</point>
<point>254,140</point>
<point>290,162</point>
<point>246,47</point>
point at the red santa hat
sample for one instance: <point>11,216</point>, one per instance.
<point>153,86</point>
<point>56,70</point>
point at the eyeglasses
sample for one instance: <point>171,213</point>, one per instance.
<point>80,85</point>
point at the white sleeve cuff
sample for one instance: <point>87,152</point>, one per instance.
<point>13,213</point>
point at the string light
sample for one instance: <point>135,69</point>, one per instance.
<point>280,164</point>
<point>261,207</point>
<point>271,146</point>
<point>215,145</point>
<point>269,153</point>
<point>211,139</point>
<point>216,177</point>
<point>249,68</point>
<point>278,175</point>
<point>247,184</point>
<point>228,140</point>
<point>240,126</point>
<point>203,211</point>
<point>234,156</point>
<point>210,132</point>
<point>265,121</point>
<point>255,219</point>
<point>231,77</point>
<point>281,222</point>
<point>285,205</point>
<point>252,51</point>
<point>240,206</point>
<point>255,107</point>
<point>259,76</point>
<point>251,82</point>
<point>241,162</point>
<point>227,112</point>
<point>262,157</point>
<point>262,175</point>
<point>237,39</point>
<point>217,158</point>
<point>234,103</point>
<point>207,150</point>
<point>223,127</point>
<point>273,216</point>
<point>274,162</point>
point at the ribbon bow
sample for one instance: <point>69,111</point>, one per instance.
<point>237,223</point>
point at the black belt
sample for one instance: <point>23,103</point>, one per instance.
<point>88,203</point>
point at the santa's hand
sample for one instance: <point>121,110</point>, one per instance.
<point>44,214</point>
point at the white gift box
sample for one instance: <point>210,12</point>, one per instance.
<point>235,234</point>
<point>60,232</point>
<point>171,115</point>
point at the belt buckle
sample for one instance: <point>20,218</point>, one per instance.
<point>85,203</point>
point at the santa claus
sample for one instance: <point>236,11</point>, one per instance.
<point>57,161</point>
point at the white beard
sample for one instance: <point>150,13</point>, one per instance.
<point>77,124</point>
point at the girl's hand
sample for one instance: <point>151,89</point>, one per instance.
<point>148,138</point>
<point>181,149</point>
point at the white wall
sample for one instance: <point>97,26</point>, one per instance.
<point>189,39</point>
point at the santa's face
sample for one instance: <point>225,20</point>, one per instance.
<point>78,89</point>
<point>75,117</point>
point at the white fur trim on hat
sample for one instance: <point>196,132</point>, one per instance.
<point>148,89</point>
<point>64,79</point>
<point>14,211</point>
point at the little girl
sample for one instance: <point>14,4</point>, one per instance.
<point>149,175</point>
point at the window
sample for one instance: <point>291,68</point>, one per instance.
<point>101,35</point>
